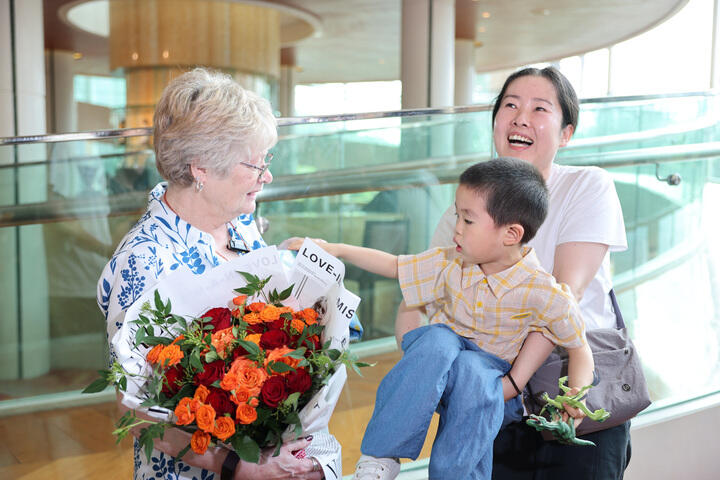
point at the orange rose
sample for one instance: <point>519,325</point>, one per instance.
<point>224,428</point>
<point>252,379</point>
<point>181,337</point>
<point>285,310</point>
<point>256,307</point>
<point>170,355</point>
<point>240,300</point>
<point>269,314</point>
<point>205,418</point>
<point>230,381</point>
<point>183,412</point>
<point>221,340</point>
<point>297,325</point>
<point>278,355</point>
<point>245,414</point>
<point>153,356</point>
<point>309,315</point>
<point>243,395</point>
<point>241,363</point>
<point>195,404</point>
<point>201,393</point>
<point>199,442</point>
<point>254,337</point>
<point>252,318</point>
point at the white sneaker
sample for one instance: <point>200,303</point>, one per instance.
<point>373,468</point>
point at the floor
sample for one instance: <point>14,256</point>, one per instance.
<point>77,443</point>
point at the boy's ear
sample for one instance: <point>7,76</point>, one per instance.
<point>513,234</point>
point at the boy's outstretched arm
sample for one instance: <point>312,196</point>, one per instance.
<point>375,261</point>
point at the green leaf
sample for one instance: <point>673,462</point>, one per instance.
<point>211,356</point>
<point>158,301</point>
<point>97,386</point>
<point>249,291</point>
<point>280,367</point>
<point>196,362</point>
<point>286,293</point>
<point>246,448</point>
<point>333,353</point>
<point>250,277</point>
<point>250,347</point>
<point>298,354</point>
<point>182,452</point>
<point>292,400</point>
<point>122,384</point>
<point>140,336</point>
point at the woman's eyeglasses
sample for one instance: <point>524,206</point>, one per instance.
<point>263,169</point>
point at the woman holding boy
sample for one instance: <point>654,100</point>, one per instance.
<point>535,114</point>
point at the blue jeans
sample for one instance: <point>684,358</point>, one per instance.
<point>441,371</point>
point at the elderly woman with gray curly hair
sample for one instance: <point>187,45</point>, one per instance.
<point>211,145</point>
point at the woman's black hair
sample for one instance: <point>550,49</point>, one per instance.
<point>563,88</point>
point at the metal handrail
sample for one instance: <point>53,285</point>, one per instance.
<point>290,121</point>
<point>419,173</point>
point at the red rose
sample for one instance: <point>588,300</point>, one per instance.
<point>274,339</point>
<point>256,328</point>
<point>278,324</point>
<point>213,371</point>
<point>220,401</point>
<point>220,318</point>
<point>239,351</point>
<point>172,377</point>
<point>273,391</point>
<point>298,381</point>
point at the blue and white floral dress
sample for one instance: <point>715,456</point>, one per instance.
<point>160,243</point>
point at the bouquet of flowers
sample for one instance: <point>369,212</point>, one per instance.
<point>251,373</point>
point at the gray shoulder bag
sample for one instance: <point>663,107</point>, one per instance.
<point>619,386</point>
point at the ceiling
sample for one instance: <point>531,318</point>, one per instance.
<point>359,40</point>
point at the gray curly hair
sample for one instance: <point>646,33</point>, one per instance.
<point>201,117</point>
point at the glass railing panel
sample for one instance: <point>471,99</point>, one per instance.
<point>72,202</point>
<point>665,281</point>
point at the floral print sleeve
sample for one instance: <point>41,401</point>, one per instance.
<point>158,244</point>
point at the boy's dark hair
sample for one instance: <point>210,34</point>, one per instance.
<point>563,89</point>
<point>514,192</point>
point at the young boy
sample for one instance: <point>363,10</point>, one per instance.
<point>482,298</point>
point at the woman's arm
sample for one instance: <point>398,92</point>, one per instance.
<point>577,263</point>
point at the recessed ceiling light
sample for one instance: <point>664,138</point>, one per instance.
<point>478,44</point>
<point>165,54</point>
<point>135,56</point>
<point>481,29</point>
<point>77,55</point>
<point>485,14</point>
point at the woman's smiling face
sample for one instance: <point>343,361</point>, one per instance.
<point>528,124</point>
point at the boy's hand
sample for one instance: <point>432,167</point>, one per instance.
<point>294,243</point>
<point>573,412</point>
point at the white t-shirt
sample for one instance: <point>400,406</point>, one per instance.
<point>584,207</point>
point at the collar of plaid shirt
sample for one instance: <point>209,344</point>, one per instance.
<point>505,280</point>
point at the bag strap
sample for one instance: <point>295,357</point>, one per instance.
<point>618,314</point>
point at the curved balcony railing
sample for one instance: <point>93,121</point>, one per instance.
<point>67,200</point>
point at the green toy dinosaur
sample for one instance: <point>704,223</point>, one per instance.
<point>564,432</point>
